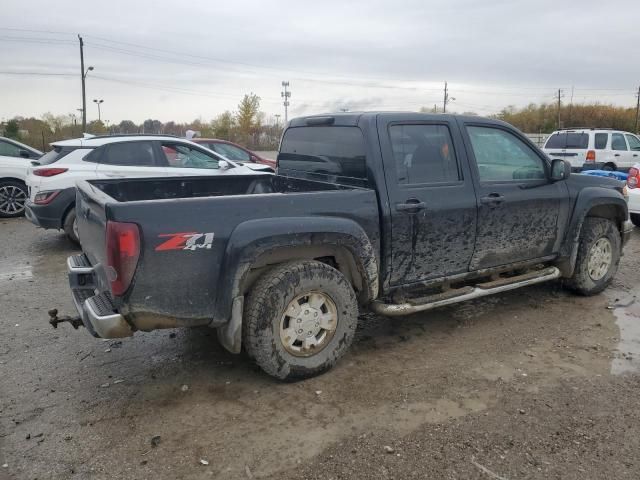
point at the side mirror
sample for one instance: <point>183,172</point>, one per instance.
<point>254,159</point>
<point>560,169</point>
<point>24,153</point>
<point>223,165</point>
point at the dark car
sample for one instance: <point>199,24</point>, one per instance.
<point>416,211</point>
<point>233,151</point>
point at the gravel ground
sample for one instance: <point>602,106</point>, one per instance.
<point>534,383</point>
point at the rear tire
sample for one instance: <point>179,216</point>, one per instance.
<point>598,256</point>
<point>13,195</point>
<point>70,226</point>
<point>635,219</point>
<point>300,318</point>
<point>609,167</point>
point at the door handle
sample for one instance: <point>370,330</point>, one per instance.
<point>113,175</point>
<point>411,206</point>
<point>616,154</point>
<point>493,199</point>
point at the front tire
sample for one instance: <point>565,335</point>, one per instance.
<point>70,226</point>
<point>635,219</point>
<point>598,256</point>
<point>13,196</point>
<point>300,318</point>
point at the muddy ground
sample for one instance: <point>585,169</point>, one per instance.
<point>535,383</point>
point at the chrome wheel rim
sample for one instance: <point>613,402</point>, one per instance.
<point>12,200</point>
<point>600,258</point>
<point>75,227</point>
<point>308,324</point>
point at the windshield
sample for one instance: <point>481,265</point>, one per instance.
<point>56,154</point>
<point>568,140</point>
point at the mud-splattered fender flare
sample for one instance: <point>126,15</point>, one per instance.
<point>590,199</point>
<point>254,238</point>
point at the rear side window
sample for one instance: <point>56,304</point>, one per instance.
<point>617,142</point>
<point>138,154</point>
<point>568,140</point>
<point>423,154</point>
<point>634,143</point>
<point>335,151</point>
<point>55,154</point>
<point>601,140</point>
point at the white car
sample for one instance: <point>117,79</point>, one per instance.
<point>594,148</point>
<point>14,163</point>
<point>52,179</point>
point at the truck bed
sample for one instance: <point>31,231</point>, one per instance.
<point>187,287</point>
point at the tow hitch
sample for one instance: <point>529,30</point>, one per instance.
<point>54,320</point>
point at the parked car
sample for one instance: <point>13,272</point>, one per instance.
<point>594,148</point>
<point>52,179</point>
<point>633,190</point>
<point>234,152</point>
<point>14,163</point>
<point>428,210</point>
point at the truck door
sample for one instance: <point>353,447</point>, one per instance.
<point>431,196</point>
<point>518,206</point>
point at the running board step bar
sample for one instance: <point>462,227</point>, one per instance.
<point>466,293</point>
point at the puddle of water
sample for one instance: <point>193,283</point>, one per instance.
<point>627,312</point>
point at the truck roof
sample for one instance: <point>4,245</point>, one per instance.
<point>352,118</point>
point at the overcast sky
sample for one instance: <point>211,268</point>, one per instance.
<point>171,60</point>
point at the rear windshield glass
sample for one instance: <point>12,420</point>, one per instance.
<point>335,151</point>
<point>55,154</point>
<point>568,140</point>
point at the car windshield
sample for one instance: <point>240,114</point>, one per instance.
<point>230,151</point>
<point>568,140</point>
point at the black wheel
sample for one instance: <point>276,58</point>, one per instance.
<point>635,219</point>
<point>70,226</point>
<point>300,318</point>
<point>609,167</point>
<point>598,256</point>
<point>13,195</point>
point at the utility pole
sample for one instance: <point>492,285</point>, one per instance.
<point>286,95</point>
<point>637,110</point>
<point>84,95</point>
<point>559,105</point>
<point>447,98</point>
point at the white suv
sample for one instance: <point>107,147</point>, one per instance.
<point>52,178</point>
<point>14,163</point>
<point>594,148</point>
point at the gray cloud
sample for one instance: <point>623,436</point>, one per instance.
<point>199,59</point>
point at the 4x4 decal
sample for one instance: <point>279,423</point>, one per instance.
<point>185,241</point>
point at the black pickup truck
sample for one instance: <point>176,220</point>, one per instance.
<point>396,213</point>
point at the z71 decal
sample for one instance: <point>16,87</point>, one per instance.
<point>185,241</point>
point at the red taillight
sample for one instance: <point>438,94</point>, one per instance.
<point>591,156</point>
<point>44,198</point>
<point>49,172</point>
<point>633,178</point>
<point>123,251</point>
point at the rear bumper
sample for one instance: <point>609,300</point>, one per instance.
<point>97,311</point>
<point>51,216</point>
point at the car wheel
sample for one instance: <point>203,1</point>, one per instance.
<point>300,318</point>
<point>70,226</point>
<point>609,167</point>
<point>13,196</point>
<point>635,219</point>
<point>598,256</point>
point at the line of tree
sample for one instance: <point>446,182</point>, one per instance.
<point>543,118</point>
<point>247,126</point>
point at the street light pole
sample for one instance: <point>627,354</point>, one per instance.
<point>98,102</point>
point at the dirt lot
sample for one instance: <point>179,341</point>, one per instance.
<point>535,383</point>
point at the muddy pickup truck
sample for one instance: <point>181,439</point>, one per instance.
<point>395,213</point>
